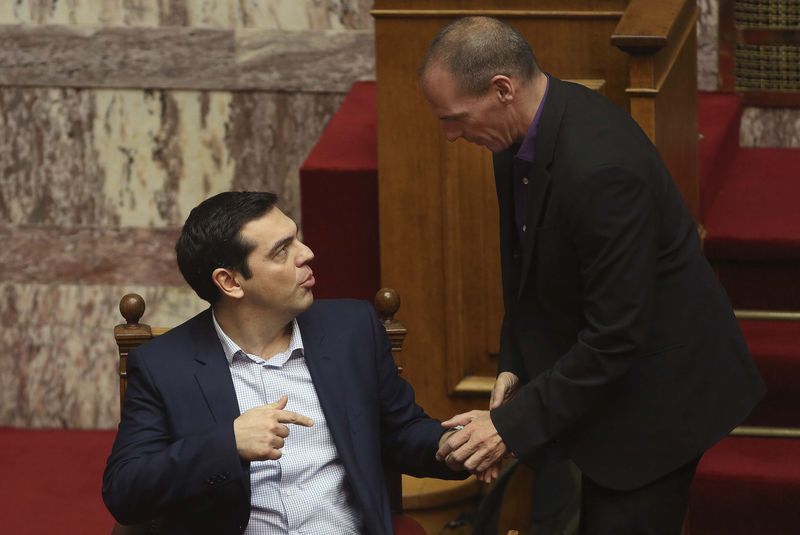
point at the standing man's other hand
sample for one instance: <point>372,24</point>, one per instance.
<point>504,388</point>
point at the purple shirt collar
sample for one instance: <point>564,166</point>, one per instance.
<point>525,151</point>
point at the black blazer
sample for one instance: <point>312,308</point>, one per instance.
<point>633,359</point>
<point>175,454</point>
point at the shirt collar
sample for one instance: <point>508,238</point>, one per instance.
<point>525,151</point>
<point>232,349</point>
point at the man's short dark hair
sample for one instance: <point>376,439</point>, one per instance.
<point>474,49</point>
<point>211,238</point>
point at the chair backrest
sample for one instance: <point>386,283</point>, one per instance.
<point>132,334</point>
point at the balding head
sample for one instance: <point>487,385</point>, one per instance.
<point>474,49</point>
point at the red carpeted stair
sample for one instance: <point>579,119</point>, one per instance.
<point>750,203</point>
<point>747,486</point>
<point>749,207</point>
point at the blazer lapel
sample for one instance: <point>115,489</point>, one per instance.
<point>538,192</point>
<point>329,385</point>
<point>539,187</point>
<point>213,375</point>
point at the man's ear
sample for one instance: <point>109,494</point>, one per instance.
<point>228,283</point>
<point>503,87</point>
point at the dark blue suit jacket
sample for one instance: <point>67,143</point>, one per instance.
<point>175,455</point>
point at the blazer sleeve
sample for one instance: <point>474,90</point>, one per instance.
<point>409,436</point>
<point>611,218</point>
<point>510,358</point>
<point>150,470</point>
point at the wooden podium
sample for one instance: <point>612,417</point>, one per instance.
<point>437,201</point>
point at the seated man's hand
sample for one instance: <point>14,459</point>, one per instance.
<point>476,447</point>
<point>260,432</point>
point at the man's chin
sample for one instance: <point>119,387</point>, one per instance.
<point>307,301</point>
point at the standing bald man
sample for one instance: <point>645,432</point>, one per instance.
<point>619,349</point>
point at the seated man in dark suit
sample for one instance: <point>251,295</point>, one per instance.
<point>266,413</point>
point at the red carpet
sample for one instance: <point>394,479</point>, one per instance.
<point>756,214</point>
<point>776,349</point>
<point>749,207</point>
<point>718,123</point>
<point>747,486</point>
<point>52,481</point>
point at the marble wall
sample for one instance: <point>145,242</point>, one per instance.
<point>96,181</point>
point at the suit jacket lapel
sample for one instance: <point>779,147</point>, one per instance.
<point>214,376</point>
<point>539,187</point>
<point>326,376</point>
<point>538,192</point>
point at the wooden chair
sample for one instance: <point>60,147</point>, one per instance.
<point>132,334</point>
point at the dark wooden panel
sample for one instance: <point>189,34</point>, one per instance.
<point>184,58</point>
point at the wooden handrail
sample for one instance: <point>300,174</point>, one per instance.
<point>648,26</point>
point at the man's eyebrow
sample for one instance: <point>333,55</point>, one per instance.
<point>285,241</point>
<point>280,244</point>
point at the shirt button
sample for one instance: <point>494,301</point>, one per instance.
<point>524,228</point>
<point>525,180</point>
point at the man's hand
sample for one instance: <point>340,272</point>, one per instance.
<point>476,447</point>
<point>260,432</point>
<point>505,386</point>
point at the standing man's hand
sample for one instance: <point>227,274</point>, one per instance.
<point>260,431</point>
<point>505,386</point>
<point>476,447</point>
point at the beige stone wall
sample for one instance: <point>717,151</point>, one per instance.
<point>91,174</point>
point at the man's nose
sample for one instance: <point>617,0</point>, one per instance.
<point>306,254</point>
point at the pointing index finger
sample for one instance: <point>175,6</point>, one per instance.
<point>290,417</point>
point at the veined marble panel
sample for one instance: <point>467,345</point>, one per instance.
<point>270,137</point>
<point>185,58</point>
<point>707,45</point>
<point>770,127</point>
<point>58,358</point>
<point>270,14</point>
<point>53,255</point>
<point>132,158</point>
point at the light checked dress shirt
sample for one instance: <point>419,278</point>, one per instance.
<point>305,492</point>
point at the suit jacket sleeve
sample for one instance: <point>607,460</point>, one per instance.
<point>148,470</point>
<point>610,218</point>
<point>510,358</point>
<point>409,436</point>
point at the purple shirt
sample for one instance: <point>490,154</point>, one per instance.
<point>522,164</point>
